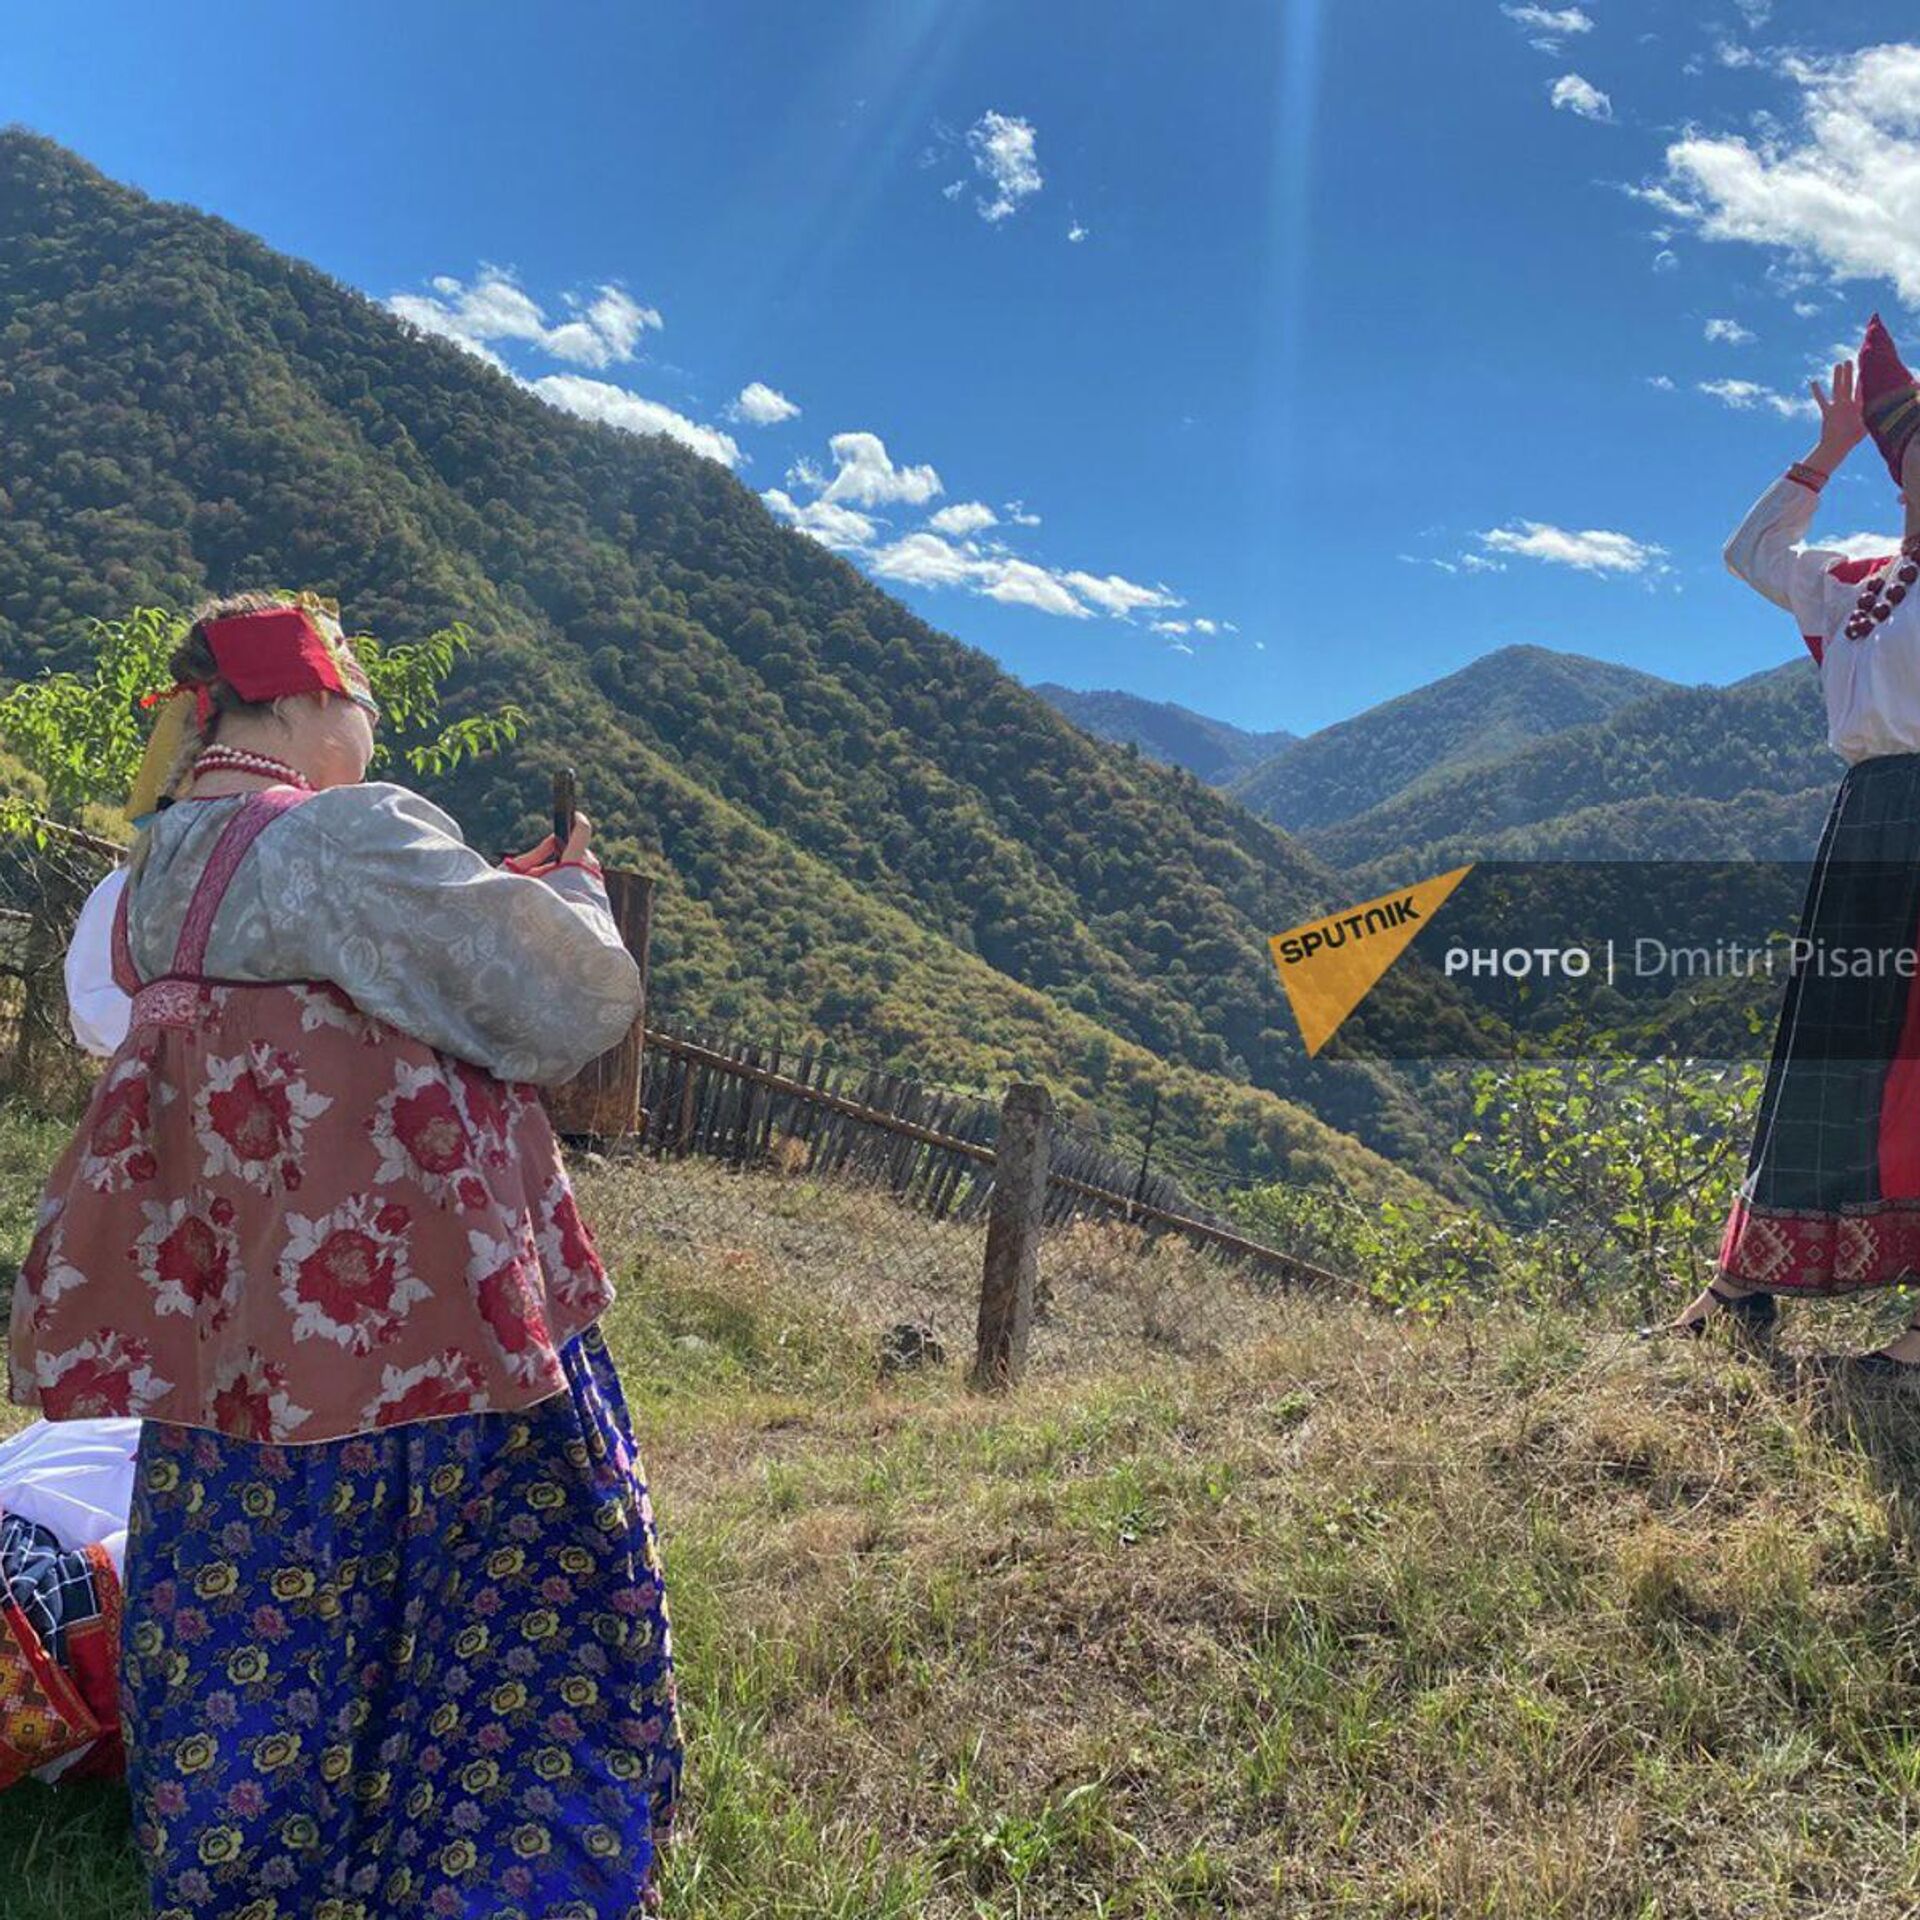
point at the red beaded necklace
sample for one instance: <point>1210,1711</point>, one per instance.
<point>244,760</point>
<point>1885,591</point>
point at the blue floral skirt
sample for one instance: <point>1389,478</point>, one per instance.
<point>427,1671</point>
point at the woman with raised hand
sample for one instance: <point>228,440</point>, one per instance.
<point>396,1639</point>
<point>1830,1203</point>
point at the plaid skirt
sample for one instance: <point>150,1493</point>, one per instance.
<point>426,1671</point>
<point>1830,1203</point>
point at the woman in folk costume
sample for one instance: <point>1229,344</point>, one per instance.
<point>396,1639</point>
<point>1830,1203</point>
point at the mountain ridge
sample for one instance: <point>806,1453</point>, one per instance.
<point>811,767</point>
<point>1497,704</point>
<point>1212,750</point>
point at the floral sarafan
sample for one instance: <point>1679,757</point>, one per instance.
<point>285,1220</point>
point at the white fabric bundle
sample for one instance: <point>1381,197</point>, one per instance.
<point>97,1008</point>
<point>75,1478</point>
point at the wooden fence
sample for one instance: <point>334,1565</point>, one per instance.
<point>933,1148</point>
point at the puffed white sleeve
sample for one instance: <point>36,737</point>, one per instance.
<point>1765,552</point>
<point>524,974</point>
<point>98,1011</point>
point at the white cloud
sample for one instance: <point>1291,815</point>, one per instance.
<point>1748,396</point>
<point>430,317</point>
<point>1845,198</point>
<point>1661,380</point>
<point>963,518</point>
<point>762,406</point>
<point>1021,583</point>
<point>1665,260</point>
<point>1552,22</point>
<point>618,322</point>
<point>866,476</point>
<point>607,328</point>
<point>1860,546</point>
<point>1119,597</point>
<point>1731,332</point>
<point>945,553</point>
<point>1480,563</point>
<point>925,560</point>
<point>1593,551</point>
<point>1076,233</point>
<point>1581,97</point>
<point>837,527</point>
<point>601,400</point>
<point>1004,155</point>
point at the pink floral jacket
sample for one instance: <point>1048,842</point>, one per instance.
<point>288,1220</point>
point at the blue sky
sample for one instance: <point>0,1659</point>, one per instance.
<point>1301,350</point>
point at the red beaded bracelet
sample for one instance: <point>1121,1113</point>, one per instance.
<point>1809,477</point>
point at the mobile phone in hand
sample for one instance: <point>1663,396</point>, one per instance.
<point>565,802</point>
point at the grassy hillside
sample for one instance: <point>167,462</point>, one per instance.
<point>867,832</point>
<point>1214,750</point>
<point>1499,705</point>
<point>1516,1618</point>
<point>1687,773</point>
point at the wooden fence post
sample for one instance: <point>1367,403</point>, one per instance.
<point>1013,1237</point>
<point>603,1098</point>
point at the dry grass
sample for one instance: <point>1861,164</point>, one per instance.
<point>1521,1618</point>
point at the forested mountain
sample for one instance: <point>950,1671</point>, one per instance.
<point>1736,772</point>
<point>1497,706</point>
<point>866,832</point>
<point>1215,750</point>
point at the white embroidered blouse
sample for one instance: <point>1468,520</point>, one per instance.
<point>1872,686</point>
<point>373,887</point>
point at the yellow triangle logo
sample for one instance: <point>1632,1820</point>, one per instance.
<point>1329,966</point>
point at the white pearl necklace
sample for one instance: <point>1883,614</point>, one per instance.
<point>245,760</point>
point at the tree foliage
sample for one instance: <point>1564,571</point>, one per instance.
<point>84,732</point>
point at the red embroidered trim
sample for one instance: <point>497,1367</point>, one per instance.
<point>257,811</point>
<point>1852,573</point>
<point>167,1002</point>
<point>125,975</point>
<point>1816,645</point>
<point>1787,1251</point>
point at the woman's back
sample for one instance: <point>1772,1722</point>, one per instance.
<point>283,1216</point>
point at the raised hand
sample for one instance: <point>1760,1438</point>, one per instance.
<point>1842,425</point>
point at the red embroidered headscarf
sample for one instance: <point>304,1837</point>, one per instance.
<point>1889,396</point>
<point>293,647</point>
<point>270,652</point>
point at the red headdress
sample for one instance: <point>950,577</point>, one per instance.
<point>289,648</point>
<point>270,652</point>
<point>1889,396</point>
